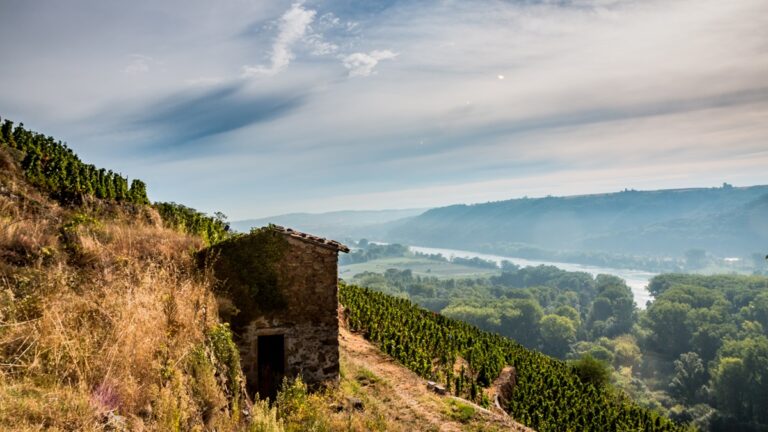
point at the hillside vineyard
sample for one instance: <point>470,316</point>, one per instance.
<point>548,396</point>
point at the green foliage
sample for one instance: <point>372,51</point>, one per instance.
<point>225,351</point>
<point>548,395</point>
<point>300,410</point>
<point>740,380</point>
<point>613,309</point>
<point>459,411</point>
<point>370,251</point>
<point>191,221</point>
<point>245,266</point>
<point>56,169</point>
<point>264,418</point>
<point>687,385</point>
<point>514,303</point>
<point>710,328</point>
<point>214,367</point>
<point>557,333</point>
<point>733,286</point>
<point>591,371</point>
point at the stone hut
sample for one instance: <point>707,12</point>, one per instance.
<point>283,287</point>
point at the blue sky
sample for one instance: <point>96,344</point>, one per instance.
<point>262,107</point>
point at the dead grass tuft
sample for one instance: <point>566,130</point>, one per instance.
<point>27,242</point>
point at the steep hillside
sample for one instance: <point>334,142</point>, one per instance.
<point>546,394</point>
<point>724,220</point>
<point>403,399</point>
<point>103,320</point>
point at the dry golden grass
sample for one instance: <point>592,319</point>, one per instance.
<point>100,316</point>
<point>26,242</point>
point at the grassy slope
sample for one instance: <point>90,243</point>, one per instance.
<point>101,312</point>
<point>105,323</point>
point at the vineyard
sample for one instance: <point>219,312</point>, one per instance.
<point>189,220</point>
<point>55,168</point>
<point>548,395</point>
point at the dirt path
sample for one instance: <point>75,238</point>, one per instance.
<point>410,401</point>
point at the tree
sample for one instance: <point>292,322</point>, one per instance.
<point>591,371</point>
<point>520,320</point>
<point>757,310</point>
<point>669,326</point>
<point>569,312</point>
<point>740,379</point>
<point>626,351</point>
<point>729,381</point>
<point>557,333</point>
<point>687,385</point>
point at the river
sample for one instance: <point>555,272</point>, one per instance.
<point>637,280</point>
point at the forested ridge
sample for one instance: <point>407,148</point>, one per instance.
<point>603,229</point>
<point>549,395</point>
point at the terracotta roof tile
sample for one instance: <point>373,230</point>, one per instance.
<point>332,244</point>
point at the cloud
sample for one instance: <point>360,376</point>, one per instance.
<point>318,46</point>
<point>292,28</point>
<point>180,120</point>
<point>362,64</point>
<point>204,81</point>
<point>139,64</point>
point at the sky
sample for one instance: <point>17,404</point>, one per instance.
<point>256,107</point>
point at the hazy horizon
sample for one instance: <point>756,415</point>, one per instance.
<point>468,203</point>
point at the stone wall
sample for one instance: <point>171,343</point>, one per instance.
<point>308,279</point>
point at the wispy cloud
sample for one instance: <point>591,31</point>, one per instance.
<point>292,28</point>
<point>181,120</point>
<point>138,64</point>
<point>363,64</point>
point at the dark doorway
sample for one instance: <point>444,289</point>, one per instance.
<point>271,364</point>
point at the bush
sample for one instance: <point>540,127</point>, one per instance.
<point>591,371</point>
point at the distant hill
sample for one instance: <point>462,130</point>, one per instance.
<point>737,231</point>
<point>338,224</point>
<point>727,220</point>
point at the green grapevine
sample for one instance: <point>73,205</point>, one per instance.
<point>548,396</point>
